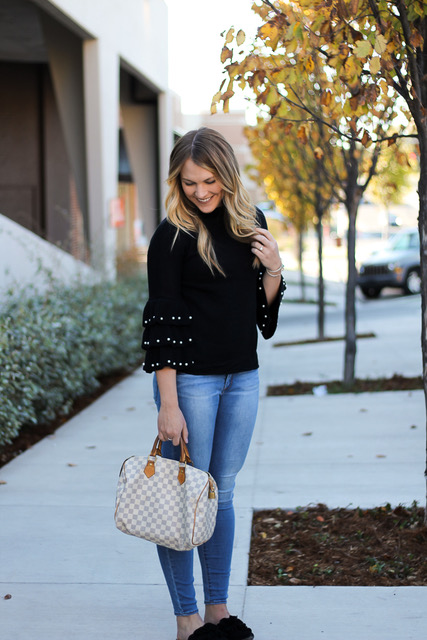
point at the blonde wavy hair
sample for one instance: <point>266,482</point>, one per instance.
<point>210,150</point>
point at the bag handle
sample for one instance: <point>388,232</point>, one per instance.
<point>157,451</point>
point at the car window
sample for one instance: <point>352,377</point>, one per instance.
<point>404,241</point>
<point>414,241</point>
<point>399,242</point>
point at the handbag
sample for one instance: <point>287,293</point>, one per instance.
<point>169,502</point>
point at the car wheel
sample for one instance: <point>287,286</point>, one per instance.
<point>371,292</point>
<point>413,282</point>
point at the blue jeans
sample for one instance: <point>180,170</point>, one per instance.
<point>220,412</point>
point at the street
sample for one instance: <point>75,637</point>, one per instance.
<point>395,320</point>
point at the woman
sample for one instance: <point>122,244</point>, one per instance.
<point>214,273</point>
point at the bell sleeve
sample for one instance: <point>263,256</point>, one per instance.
<point>166,320</point>
<point>267,315</point>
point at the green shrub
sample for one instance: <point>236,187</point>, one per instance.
<point>53,348</point>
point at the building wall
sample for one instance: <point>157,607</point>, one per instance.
<point>62,66</point>
<point>30,263</point>
<point>136,30</point>
<point>35,175</point>
<point>19,149</point>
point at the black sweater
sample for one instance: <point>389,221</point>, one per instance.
<point>198,322</point>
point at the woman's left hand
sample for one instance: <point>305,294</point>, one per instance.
<point>264,246</point>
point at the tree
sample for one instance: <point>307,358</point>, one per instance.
<point>378,48</point>
<point>396,171</point>
<point>270,172</point>
<point>290,172</point>
<point>287,73</point>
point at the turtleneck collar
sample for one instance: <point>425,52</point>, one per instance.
<point>216,213</point>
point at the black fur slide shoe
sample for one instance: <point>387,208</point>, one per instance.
<point>234,629</point>
<point>209,631</point>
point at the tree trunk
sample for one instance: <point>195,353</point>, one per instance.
<point>320,283</point>
<point>422,226</point>
<point>300,261</point>
<point>350,299</point>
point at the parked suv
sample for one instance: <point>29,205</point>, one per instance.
<point>397,264</point>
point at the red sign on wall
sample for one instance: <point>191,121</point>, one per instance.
<point>117,212</point>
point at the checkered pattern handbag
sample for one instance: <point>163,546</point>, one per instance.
<point>165,501</point>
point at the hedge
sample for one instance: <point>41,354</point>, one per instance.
<point>54,347</point>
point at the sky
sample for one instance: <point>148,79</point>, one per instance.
<point>195,43</point>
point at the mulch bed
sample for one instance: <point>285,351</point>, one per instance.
<point>335,547</point>
<point>395,383</point>
<point>309,301</point>
<point>294,343</point>
<point>339,547</point>
<point>33,433</point>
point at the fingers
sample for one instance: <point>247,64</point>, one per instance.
<point>263,232</point>
<point>259,243</point>
<point>171,425</point>
<point>170,434</point>
<point>263,240</point>
<point>174,438</point>
<point>264,246</point>
<point>185,434</point>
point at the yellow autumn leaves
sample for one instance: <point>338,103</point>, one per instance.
<point>352,53</point>
<point>227,53</point>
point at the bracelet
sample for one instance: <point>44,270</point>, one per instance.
<point>273,272</point>
<point>282,266</point>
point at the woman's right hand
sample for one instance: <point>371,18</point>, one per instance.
<point>171,424</point>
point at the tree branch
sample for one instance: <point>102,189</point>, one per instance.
<point>412,63</point>
<point>316,118</point>
<point>401,86</point>
<point>373,167</point>
<point>377,16</point>
<point>269,4</point>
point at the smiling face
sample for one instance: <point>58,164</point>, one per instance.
<point>201,187</point>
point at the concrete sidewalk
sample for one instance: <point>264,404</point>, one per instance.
<point>73,576</point>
